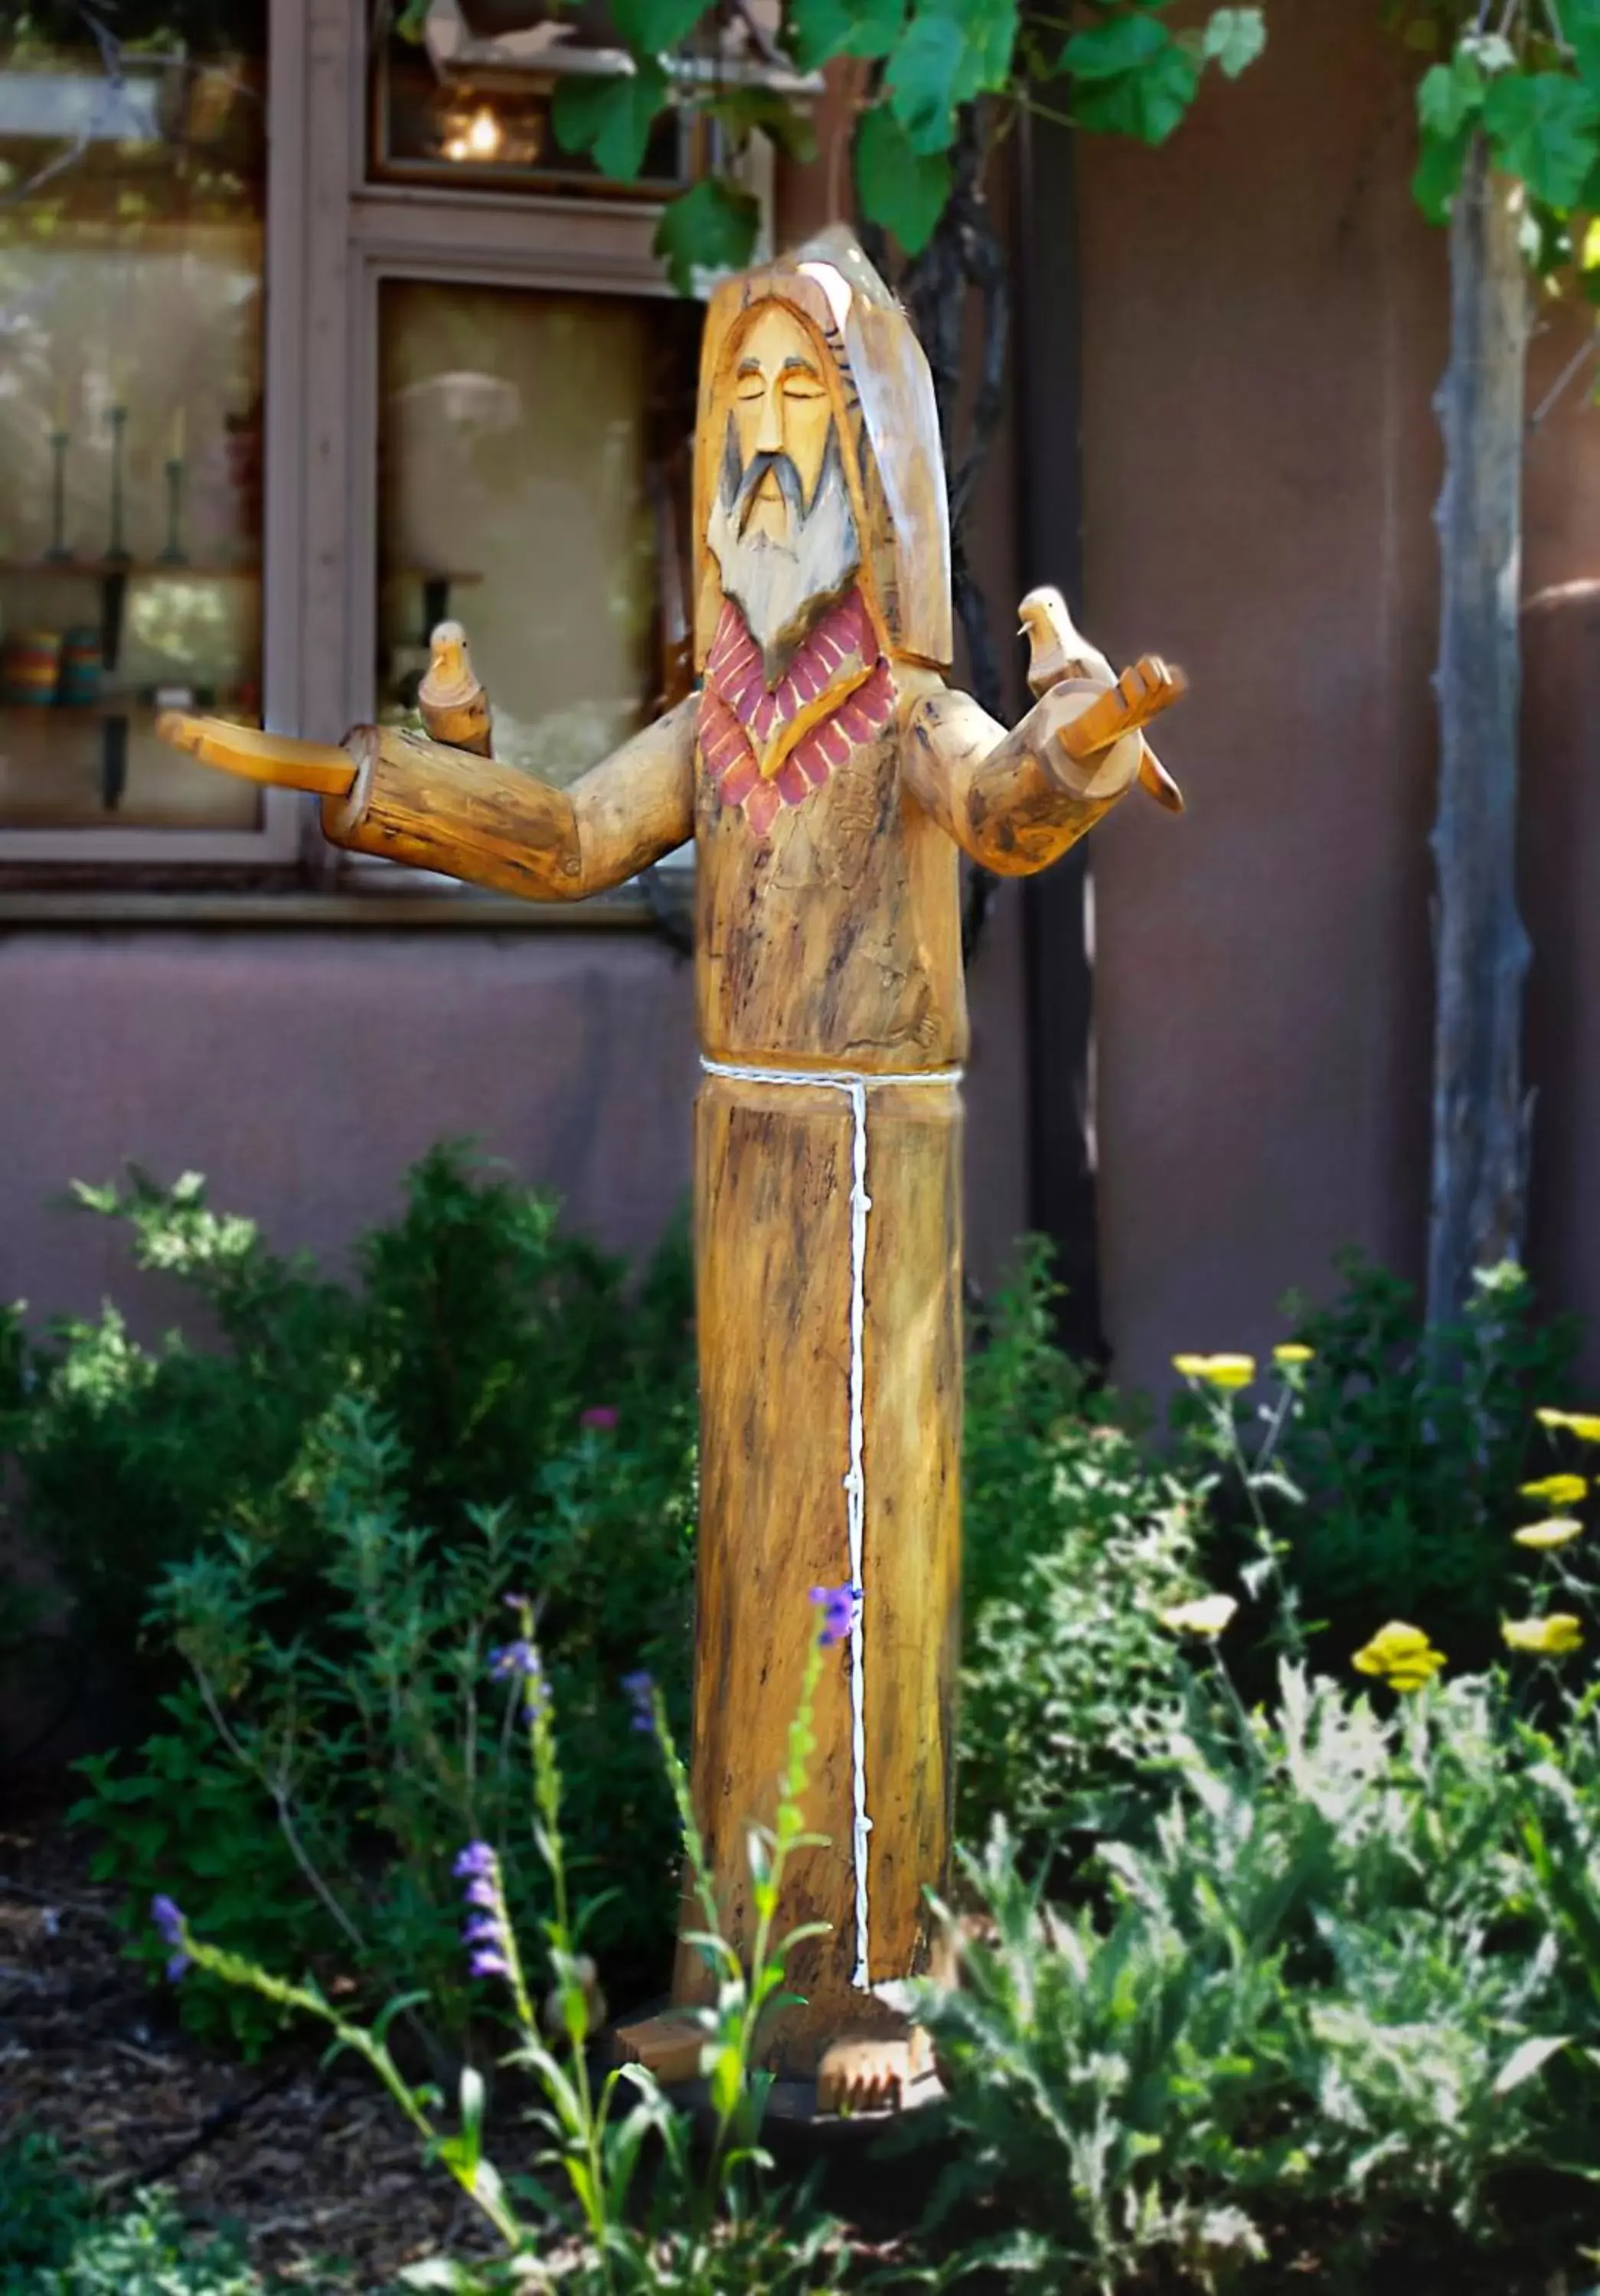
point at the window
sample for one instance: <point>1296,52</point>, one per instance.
<point>131,283</point>
<point>261,425</point>
<point>532,457</point>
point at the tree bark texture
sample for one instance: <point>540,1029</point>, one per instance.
<point>1478,1158</point>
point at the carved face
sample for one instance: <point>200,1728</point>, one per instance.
<point>782,528</point>
<point>782,414</point>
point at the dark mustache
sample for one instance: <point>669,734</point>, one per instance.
<point>755,470</point>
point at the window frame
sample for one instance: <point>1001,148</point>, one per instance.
<point>333,235</point>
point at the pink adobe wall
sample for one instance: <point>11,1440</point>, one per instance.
<point>1265,324</point>
<point>302,1072</point>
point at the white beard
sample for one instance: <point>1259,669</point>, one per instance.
<point>778,583</point>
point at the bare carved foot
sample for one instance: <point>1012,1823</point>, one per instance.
<point>873,2074</point>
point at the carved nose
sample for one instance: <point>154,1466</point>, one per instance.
<point>769,436</point>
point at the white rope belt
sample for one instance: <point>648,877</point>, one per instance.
<point>856,1086</point>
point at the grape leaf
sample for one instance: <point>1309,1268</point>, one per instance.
<point>1233,38</point>
<point>711,227</point>
<point>1438,172</point>
<point>1147,103</point>
<point>1449,96</point>
<point>1581,22</point>
<point>819,30</point>
<point>654,28</point>
<point>921,80</point>
<point>611,118</point>
<point>989,38</point>
<point>903,190</point>
<point>1107,51</point>
<point>741,107</point>
<point>1543,126</point>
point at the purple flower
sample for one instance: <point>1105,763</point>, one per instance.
<point>598,1414</point>
<point>840,1608</point>
<point>518,1661</point>
<point>641,1691</point>
<point>486,1935</point>
<point>169,1920</point>
<point>517,1603</point>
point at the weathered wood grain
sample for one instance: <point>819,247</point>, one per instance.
<point>435,807</point>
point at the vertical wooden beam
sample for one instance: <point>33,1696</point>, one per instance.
<point>1057,906</point>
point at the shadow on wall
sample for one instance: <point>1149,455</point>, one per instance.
<point>1559,886</point>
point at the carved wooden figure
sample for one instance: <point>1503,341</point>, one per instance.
<point>831,780</point>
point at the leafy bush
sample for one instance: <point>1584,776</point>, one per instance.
<point>1404,1455</point>
<point>54,2241</point>
<point>1074,1543</point>
<point>334,1504</point>
<point>705,2227</point>
<point>477,1325</point>
<point>1345,1978</point>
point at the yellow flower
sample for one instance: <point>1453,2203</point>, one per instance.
<point>1400,1655</point>
<point>1292,1351</point>
<point>1555,1531</point>
<point>1209,1616</point>
<point>1217,1371</point>
<point>1584,1425</point>
<point>1551,1637</point>
<point>1561,1490</point>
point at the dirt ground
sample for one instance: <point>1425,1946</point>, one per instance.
<point>313,2165</point>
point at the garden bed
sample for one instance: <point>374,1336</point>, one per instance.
<point>315,2165</point>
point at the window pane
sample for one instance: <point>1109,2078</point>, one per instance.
<point>533,454</point>
<point>131,214</point>
<point>466,103</point>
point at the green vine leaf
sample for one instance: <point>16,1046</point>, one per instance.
<point>654,28</point>
<point>1146,103</point>
<point>820,30</point>
<point>1581,22</point>
<point>1233,38</point>
<point>741,109</point>
<point>902,188</point>
<point>711,227</point>
<point>1450,97</point>
<point>1108,51</point>
<point>922,77</point>
<point>611,118</point>
<point>1545,127</point>
<point>1438,172</point>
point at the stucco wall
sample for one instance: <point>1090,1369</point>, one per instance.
<point>1265,324</point>
<point>302,1072</point>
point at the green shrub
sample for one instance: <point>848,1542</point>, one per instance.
<point>334,1504</point>
<point>1342,1983</point>
<point>477,1325</point>
<point>1075,1540</point>
<point>1406,1449</point>
<point>55,2241</point>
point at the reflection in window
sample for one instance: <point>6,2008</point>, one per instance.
<point>533,484</point>
<point>466,101</point>
<point>131,213</point>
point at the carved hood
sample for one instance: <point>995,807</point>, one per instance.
<point>889,428</point>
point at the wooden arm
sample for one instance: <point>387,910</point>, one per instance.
<point>436,808</point>
<point>1016,802</point>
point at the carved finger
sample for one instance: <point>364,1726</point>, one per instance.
<point>277,759</point>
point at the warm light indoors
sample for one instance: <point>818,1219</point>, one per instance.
<point>482,138</point>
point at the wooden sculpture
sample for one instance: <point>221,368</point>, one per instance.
<point>830,779</point>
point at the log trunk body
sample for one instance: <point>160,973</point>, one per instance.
<point>827,1206</point>
<point>1478,1158</point>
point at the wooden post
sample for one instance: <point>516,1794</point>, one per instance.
<point>1479,1114</point>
